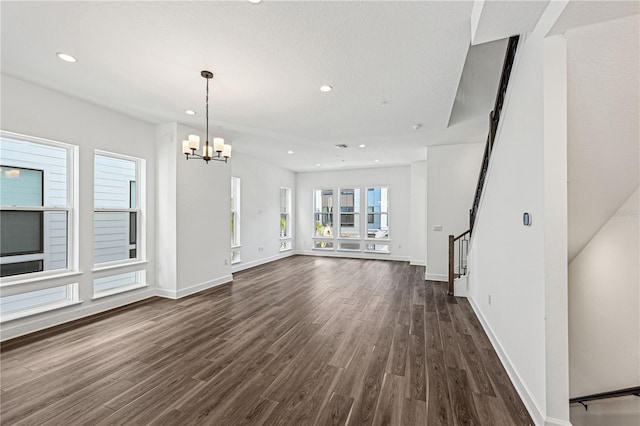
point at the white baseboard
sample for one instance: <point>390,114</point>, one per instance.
<point>417,262</point>
<point>529,401</point>
<point>170,294</point>
<point>437,277</point>
<point>49,319</point>
<point>550,421</point>
<point>352,255</point>
<point>246,265</point>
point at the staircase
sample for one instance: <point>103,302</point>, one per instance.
<point>463,239</point>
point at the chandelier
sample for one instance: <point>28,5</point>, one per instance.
<point>219,151</point>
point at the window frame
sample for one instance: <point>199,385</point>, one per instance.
<point>286,242</point>
<point>358,190</point>
<point>337,242</point>
<point>366,238</point>
<point>72,298</point>
<point>235,211</point>
<point>331,212</point>
<point>140,210</point>
<point>72,222</point>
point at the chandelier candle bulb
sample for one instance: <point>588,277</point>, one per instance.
<point>185,147</point>
<point>208,151</point>
<point>194,142</point>
<point>226,152</point>
<point>218,144</point>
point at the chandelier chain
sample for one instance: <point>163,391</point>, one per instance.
<point>207,112</point>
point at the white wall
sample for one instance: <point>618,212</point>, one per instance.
<point>32,110</point>
<point>197,218</point>
<point>260,184</point>
<point>452,175</point>
<point>604,173</point>
<point>418,247</point>
<point>603,125</point>
<point>604,318</point>
<point>507,260</point>
<point>398,179</point>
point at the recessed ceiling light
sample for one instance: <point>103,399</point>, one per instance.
<point>362,145</point>
<point>255,1</point>
<point>326,88</point>
<point>318,165</point>
<point>289,152</point>
<point>190,112</point>
<point>376,161</point>
<point>66,57</point>
<point>417,126</point>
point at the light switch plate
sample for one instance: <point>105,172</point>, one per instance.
<point>437,227</point>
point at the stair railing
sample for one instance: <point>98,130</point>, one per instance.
<point>461,244</point>
<point>494,119</point>
<point>605,395</point>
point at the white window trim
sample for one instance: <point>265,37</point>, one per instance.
<point>363,239</point>
<point>388,213</point>
<point>237,211</point>
<point>73,223</point>
<point>141,203</point>
<point>289,237</point>
<point>315,238</point>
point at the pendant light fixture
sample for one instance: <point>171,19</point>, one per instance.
<point>219,151</point>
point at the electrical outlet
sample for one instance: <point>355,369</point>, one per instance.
<point>489,299</point>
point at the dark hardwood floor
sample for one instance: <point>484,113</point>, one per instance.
<point>305,340</point>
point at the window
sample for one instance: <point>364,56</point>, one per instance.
<point>37,223</point>
<point>354,235</point>
<point>36,201</point>
<point>235,220</point>
<point>285,219</point>
<point>323,212</point>
<point>378,213</point>
<point>118,283</point>
<point>33,302</point>
<point>377,219</point>
<point>117,215</point>
<point>350,213</point>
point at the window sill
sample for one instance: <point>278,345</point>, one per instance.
<point>8,281</point>
<point>285,250</point>
<point>119,265</point>
<point>35,311</point>
<point>377,252</point>
<point>236,262</point>
<point>351,250</point>
<point>118,290</point>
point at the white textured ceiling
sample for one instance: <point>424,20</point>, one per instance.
<point>497,19</point>
<point>579,13</point>
<point>144,59</point>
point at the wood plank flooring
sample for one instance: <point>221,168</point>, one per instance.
<point>301,341</point>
